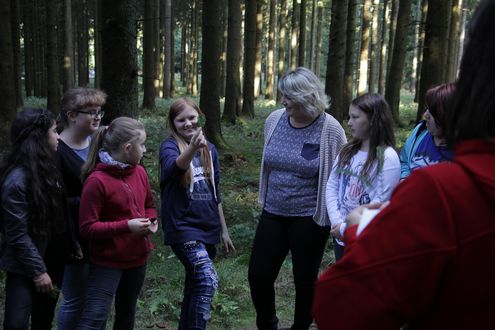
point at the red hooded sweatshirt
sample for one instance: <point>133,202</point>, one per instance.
<point>111,196</point>
<point>427,260</point>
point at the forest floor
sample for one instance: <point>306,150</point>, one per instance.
<point>159,303</point>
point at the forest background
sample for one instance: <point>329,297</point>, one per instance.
<point>228,55</point>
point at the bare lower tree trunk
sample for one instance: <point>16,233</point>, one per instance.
<point>336,58</point>
<point>383,50</point>
<point>282,42</point>
<point>365,47</point>
<point>68,67</point>
<point>294,33</point>
<point>270,83</point>
<point>350,54</point>
<point>249,59</point>
<point>7,89</point>
<point>319,27</point>
<point>16,46</point>
<point>394,78</point>
<point>167,50</point>
<point>259,48</point>
<point>416,49</point>
<point>233,86</point>
<point>149,48</point>
<point>374,55</point>
<point>302,34</point>
<point>454,36</point>
<point>82,43</point>
<point>119,74</point>
<point>421,43</point>
<point>53,100</point>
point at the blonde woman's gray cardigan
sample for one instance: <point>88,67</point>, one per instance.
<point>332,139</point>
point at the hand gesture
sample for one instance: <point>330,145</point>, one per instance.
<point>227,242</point>
<point>140,226</point>
<point>198,139</point>
<point>335,231</point>
<point>43,283</point>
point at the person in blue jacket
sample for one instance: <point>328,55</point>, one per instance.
<point>427,145</point>
<point>192,214</point>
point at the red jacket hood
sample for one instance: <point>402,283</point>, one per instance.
<point>115,170</point>
<point>477,158</point>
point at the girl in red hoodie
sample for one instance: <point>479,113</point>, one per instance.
<point>116,217</point>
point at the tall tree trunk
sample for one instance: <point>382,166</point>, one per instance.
<point>29,67</point>
<point>259,48</point>
<point>232,105</point>
<point>119,76</point>
<point>192,88</point>
<point>184,59</point>
<point>210,98</point>
<point>319,26</point>
<point>374,57</point>
<point>301,57</point>
<point>282,42</point>
<point>454,36</point>
<point>336,58</point>
<point>293,36</point>
<point>365,47</point>
<point>16,46</point>
<point>312,37</point>
<point>149,48</point>
<point>416,49</point>
<point>167,50</point>
<point>39,56</point>
<point>350,54</point>
<point>7,89</point>
<point>53,77</point>
<point>435,49</point>
<point>270,82</point>
<point>394,78</point>
<point>421,43</point>
<point>222,66</point>
<point>68,67</point>
<point>249,59</point>
<point>391,34</point>
<point>383,50</point>
<point>98,43</point>
<point>172,58</point>
<point>82,19</point>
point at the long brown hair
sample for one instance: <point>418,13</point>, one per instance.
<point>175,109</point>
<point>380,120</point>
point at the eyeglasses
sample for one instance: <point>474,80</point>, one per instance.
<point>93,114</point>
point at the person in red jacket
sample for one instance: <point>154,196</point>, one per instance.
<point>425,261</point>
<point>116,215</point>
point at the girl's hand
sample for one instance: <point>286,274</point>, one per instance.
<point>153,225</point>
<point>139,226</point>
<point>43,283</point>
<point>198,139</point>
<point>227,242</point>
<point>335,231</point>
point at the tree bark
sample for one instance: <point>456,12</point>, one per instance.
<point>232,105</point>
<point>454,36</point>
<point>435,49</point>
<point>365,47</point>
<point>391,34</point>
<point>16,46</point>
<point>98,44</point>
<point>149,48</point>
<point>282,42</point>
<point>421,43</point>
<point>416,49</point>
<point>383,51</point>
<point>68,67</point>
<point>259,48</point>
<point>82,43</point>
<point>319,27</point>
<point>192,87</point>
<point>7,89</point>
<point>394,79</point>
<point>374,55</point>
<point>294,33</point>
<point>167,50</point>
<point>249,59</point>
<point>336,58</point>
<point>270,81</point>
<point>210,98</point>
<point>350,54</point>
<point>301,57</point>
<point>119,73</point>
<point>53,77</point>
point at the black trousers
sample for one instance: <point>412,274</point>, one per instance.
<point>275,237</point>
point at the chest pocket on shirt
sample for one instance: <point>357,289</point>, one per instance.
<point>310,151</point>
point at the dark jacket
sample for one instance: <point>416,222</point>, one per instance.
<point>19,253</point>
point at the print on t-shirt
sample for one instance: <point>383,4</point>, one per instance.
<point>201,188</point>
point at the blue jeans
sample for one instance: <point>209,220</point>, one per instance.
<point>22,302</point>
<point>73,295</point>
<point>200,283</point>
<point>103,284</point>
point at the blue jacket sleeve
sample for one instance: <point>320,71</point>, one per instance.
<point>169,151</point>
<point>409,149</point>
